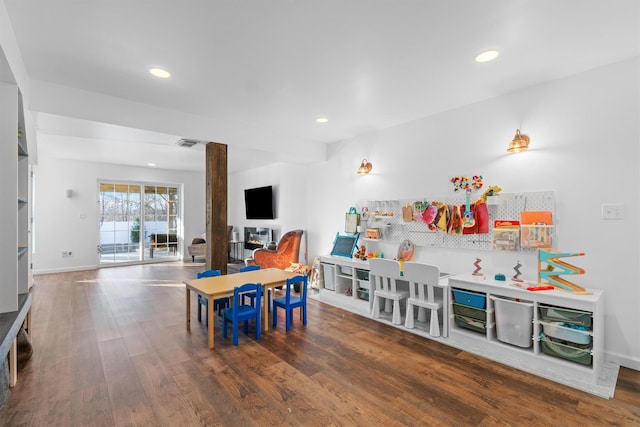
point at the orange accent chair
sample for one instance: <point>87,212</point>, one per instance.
<point>283,256</point>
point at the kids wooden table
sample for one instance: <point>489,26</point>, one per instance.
<point>222,286</point>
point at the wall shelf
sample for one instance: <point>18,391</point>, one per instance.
<point>15,298</point>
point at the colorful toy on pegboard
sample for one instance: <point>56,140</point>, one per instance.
<point>489,192</point>
<point>463,183</point>
<point>406,250</point>
<point>556,268</point>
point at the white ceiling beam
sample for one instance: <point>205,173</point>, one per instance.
<point>71,102</point>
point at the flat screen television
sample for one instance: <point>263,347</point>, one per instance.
<point>258,203</point>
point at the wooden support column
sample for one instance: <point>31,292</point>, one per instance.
<point>217,235</point>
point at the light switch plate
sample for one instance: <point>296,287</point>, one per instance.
<point>613,211</point>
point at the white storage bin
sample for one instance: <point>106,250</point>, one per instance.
<point>364,284</point>
<point>328,275</point>
<point>514,321</point>
<point>347,271</point>
<point>561,331</point>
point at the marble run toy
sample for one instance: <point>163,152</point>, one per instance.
<point>555,268</point>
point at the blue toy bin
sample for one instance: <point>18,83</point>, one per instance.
<point>470,299</point>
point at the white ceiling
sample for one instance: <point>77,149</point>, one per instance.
<point>254,74</point>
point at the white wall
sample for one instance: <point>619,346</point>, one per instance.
<point>584,146</point>
<point>290,197</point>
<point>62,223</point>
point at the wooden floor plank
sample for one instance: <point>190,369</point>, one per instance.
<point>136,415</point>
<point>91,406</point>
<point>110,348</point>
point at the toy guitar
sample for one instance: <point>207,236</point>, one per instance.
<point>467,217</point>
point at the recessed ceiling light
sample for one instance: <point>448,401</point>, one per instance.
<point>153,165</point>
<point>322,120</point>
<point>487,55</point>
<point>160,73</point>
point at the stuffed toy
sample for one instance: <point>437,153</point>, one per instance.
<point>361,254</point>
<point>296,267</point>
<point>491,191</point>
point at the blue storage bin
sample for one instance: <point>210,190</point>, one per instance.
<point>471,299</point>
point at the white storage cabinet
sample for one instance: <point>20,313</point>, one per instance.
<point>346,277</point>
<point>548,333</point>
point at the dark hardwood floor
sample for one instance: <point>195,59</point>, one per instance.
<point>110,348</point>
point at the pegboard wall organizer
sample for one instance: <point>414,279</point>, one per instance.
<point>388,215</point>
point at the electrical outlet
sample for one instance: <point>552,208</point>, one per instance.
<point>613,211</point>
<point>66,254</point>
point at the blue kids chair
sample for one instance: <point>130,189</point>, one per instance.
<point>289,302</point>
<point>250,295</point>
<point>218,303</point>
<point>239,313</point>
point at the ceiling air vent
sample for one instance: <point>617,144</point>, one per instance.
<point>188,143</point>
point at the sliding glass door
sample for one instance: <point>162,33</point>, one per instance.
<point>160,221</point>
<point>138,222</point>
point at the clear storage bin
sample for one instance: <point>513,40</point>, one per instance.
<point>328,275</point>
<point>514,321</point>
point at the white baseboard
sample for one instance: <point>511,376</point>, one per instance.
<point>65,269</point>
<point>627,362</point>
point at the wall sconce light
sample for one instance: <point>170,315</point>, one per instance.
<point>365,167</point>
<point>520,143</point>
